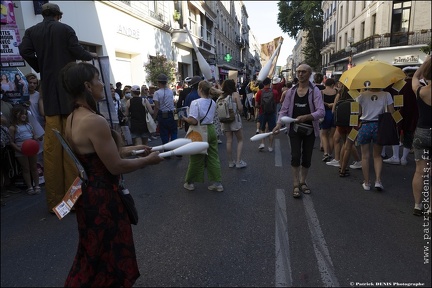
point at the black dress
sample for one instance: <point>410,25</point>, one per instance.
<point>106,252</point>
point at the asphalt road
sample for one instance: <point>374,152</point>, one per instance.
<point>252,234</point>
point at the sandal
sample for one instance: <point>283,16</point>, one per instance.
<point>30,191</point>
<point>37,190</point>
<point>296,192</point>
<point>346,172</point>
<point>304,188</point>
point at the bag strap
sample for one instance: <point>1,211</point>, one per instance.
<point>144,104</point>
<point>211,102</point>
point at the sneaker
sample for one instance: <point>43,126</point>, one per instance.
<point>231,164</point>
<point>404,162</point>
<point>261,146</point>
<point>216,187</point>
<point>189,186</point>
<point>418,212</point>
<point>366,186</point>
<point>384,156</point>
<point>241,164</point>
<point>379,186</point>
<point>30,191</point>
<point>270,149</point>
<point>356,165</point>
<point>392,160</point>
<point>334,163</point>
<point>326,158</point>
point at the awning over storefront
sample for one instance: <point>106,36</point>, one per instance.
<point>228,67</point>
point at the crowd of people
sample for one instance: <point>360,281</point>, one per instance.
<point>73,104</point>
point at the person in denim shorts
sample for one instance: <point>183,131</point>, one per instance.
<point>373,102</point>
<point>422,140</point>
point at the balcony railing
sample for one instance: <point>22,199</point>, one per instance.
<point>329,40</point>
<point>386,40</point>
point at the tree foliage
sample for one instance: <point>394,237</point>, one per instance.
<point>307,16</point>
<point>157,65</point>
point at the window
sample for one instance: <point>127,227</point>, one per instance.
<point>373,24</point>
<point>353,33</point>
<point>362,30</point>
<point>346,13</point>
<point>401,16</point>
<point>353,8</point>
<point>341,17</point>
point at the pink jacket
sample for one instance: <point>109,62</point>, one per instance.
<point>315,103</point>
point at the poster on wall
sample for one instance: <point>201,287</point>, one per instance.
<point>14,86</point>
<point>10,38</point>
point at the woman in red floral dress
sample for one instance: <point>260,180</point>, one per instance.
<point>106,252</point>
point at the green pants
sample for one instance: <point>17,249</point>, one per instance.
<point>198,162</point>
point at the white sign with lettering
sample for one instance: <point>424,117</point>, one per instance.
<point>407,59</point>
<point>129,32</point>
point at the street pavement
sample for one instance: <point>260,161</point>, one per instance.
<point>252,234</point>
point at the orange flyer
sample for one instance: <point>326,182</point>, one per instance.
<point>68,201</point>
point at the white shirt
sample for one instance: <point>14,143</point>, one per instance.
<point>199,108</point>
<point>165,97</point>
<point>373,104</point>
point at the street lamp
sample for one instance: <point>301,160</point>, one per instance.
<point>351,50</point>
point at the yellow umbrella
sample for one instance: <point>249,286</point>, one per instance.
<point>371,74</point>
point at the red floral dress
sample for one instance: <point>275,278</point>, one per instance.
<point>106,252</point>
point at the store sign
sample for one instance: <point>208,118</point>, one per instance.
<point>129,32</point>
<point>407,59</point>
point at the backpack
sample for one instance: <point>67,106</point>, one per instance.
<point>224,108</point>
<point>342,113</point>
<point>267,101</point>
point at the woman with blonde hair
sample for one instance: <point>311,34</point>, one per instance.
<point>203,110</point>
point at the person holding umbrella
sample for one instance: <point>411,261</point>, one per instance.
<point>372,102</point>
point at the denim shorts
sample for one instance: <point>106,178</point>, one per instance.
<point>367,133</point>
<point>422,143</point>
<point>140,135</point>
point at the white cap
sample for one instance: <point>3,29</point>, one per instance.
<point>276,80</point>
<point>410,68</point>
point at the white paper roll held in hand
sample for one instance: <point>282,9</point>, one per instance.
<point>287,120</point>
<point>168,146</point>
<point>188,149</point>
<point>261,136</point>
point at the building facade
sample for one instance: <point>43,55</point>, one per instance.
<point>390,31</point>
<point>131,32</point>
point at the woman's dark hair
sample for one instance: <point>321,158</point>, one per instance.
<point>16,80</point>
<point>15,110</point>
<point>228,87</point>
<point>344,95</point>
<point>330,82</point>
<point>73,77</point>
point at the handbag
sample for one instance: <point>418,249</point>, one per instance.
<point>128,202</point>
<point>303,129</point>
<point>387,131</point>
<point>151,124</point>
<point>199,132</point>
